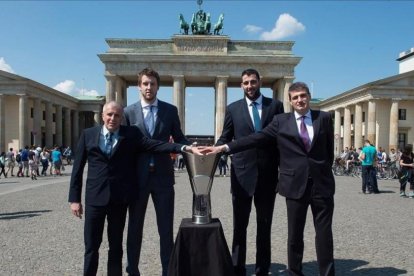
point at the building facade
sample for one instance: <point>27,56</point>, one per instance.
<point>381,111</point>
<point>213,61</point>
<point>34,114</point>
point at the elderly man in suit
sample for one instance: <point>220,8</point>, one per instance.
<point>253,172</point>
<point>158,120</point>
<point>111,151</point>
<point>305,141</point>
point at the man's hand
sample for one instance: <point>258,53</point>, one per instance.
<point>77,209</point>
<point>212,150</point>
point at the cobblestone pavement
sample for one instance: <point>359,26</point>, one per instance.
<point>373,234</point>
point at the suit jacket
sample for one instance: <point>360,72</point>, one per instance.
<point>247,164</point>
<point>296,164</point>
<point>167,125</point>
<point>113,178</point>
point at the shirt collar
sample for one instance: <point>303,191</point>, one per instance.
<point>105,131</point>
<point>145,104</point>
<point>259,100</point>
<point>307,115</point>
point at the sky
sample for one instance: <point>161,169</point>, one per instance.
<point>343,44</point>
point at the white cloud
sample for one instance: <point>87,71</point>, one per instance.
<point>252,29</point>
<point>69,87</point>
<point>4,66</point>
<point>285,26</point>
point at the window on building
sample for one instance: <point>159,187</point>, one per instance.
<point>363,117</point>
<point>54,117</point>
<point>342,121</point>
<point>352,118</point>
<point>402,114</point>
<point>402,140</point>
<point>31,112</point>
<point>44,115</point>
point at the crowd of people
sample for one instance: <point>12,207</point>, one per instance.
<point>28,161</point>
<point>375,162</point>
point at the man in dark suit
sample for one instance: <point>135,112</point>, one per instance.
<point>111,152</point>
<point>305,141</point>
<point>253,172</point>
<point>158,120</point>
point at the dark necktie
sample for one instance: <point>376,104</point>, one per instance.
<point>108,143</point>
<point>149,120</point>
<point>304,134</point>
<point>256,117</point>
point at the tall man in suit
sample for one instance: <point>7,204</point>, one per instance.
<point>111,151</point>
<point>305,141</point>
<point>253,172</point>
<point>158,120</point>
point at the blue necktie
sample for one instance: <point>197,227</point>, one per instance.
<point>304,134</point>
<point>149,120</point>
<point>108,143</point>
<point>256,117</point>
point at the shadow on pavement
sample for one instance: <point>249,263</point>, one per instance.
<point>342,267</point>
<point>24,214</point>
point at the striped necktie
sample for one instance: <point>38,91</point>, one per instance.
<point>108,143</point>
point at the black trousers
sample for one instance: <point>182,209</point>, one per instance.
<point>264,200</point>
<point>322,210</point>
<point>163,199</point>
<point>95,217</point>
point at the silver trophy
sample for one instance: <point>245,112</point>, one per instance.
<point>201,169</point>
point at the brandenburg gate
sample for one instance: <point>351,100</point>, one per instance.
<point>213,61</point>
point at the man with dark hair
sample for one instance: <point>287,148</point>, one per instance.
<point>158,120</point>
<point>305,140</point>
<point>253,172</point>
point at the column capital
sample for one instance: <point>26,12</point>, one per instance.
<point>111,77</point>
<point>221,79</point>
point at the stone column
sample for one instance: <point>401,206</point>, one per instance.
<point>371,129</point>
<point>67,140</point>
<point>347,127</point>
<point>179,98</point>
<point>49,125</point>
<point>3,146</point>
<point>394,124</point>
<point>278,89</point>
<point>337,128</point>
<point>24,133</point>
<point>110,88</point>
<point>125,93</point>
<point>358,126</point>
<point>37,122</point>
<point>221,103</point>
<point>58,126</point>
<point>120,95</point>
<point>285,83</point>
<point>75,128</point>
<point>97,117</point>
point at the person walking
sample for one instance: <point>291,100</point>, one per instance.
<point>253,172</point>
<point>158,120</point>
<point>407,169</point>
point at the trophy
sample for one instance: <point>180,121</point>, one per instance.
<point>201,169</point>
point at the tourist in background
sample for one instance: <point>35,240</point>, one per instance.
<point>407,165</point>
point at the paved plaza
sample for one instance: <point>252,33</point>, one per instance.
<point>373,234</point>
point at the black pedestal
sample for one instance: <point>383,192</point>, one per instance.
<point>200,250</point>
